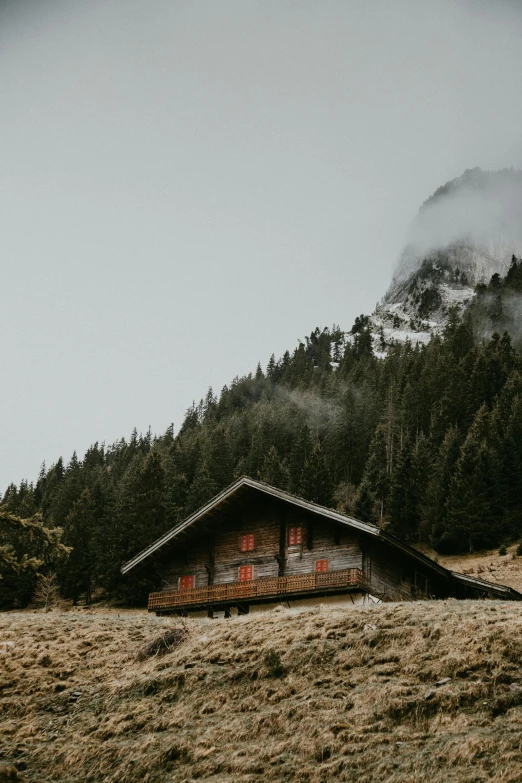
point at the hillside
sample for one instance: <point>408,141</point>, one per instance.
<point>421,438</point>
<point>396,693</point>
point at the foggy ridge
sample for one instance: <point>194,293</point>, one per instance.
<point>464,233</point>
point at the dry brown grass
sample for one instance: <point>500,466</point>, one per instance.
<point>358,697</point>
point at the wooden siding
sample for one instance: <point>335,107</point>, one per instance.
<point>227,552</point>
<point>301,559</point>
<point>187,561</point>
<point>392,576</point>
<point>396,576</point>
<point>214,556</point>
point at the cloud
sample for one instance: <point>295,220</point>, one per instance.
<point>477,216</point>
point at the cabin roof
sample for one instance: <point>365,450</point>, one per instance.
<point>224,496</point>
<point>500,590</point>
<point>371,530</point>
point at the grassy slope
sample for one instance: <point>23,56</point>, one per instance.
<point>358,699</point>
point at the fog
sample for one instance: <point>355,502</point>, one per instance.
<point>189,187</point>
<point>480,209</point>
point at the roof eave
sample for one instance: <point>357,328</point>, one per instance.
<point>483,583</point>
<point>173,532</point>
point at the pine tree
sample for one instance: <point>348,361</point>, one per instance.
<point>27,548</point>
<point>434,510</point>
<point>218,457</point>
<point>474,518</point>
<point>408,488</point>
<point>301,450</point>
<point>202,489</point>
<point>508,449</point>
<point>375,483</point>
<point>271,368</point>
<point>140,513</point>
<point>402,507</point>
<point>315,482</point>
<point>274,470</point>
<point>76,576</point>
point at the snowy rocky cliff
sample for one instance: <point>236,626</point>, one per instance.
<point>466,232</point>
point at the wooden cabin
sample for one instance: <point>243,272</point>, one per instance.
<point>253,546</point>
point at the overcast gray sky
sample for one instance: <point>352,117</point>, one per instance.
<point>187,187</point>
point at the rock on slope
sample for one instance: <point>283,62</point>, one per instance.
<point>397,693</point>
<point>463,234</point>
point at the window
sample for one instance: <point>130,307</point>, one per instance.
<point>247,542</point>
<point>245,573</point>
<point>321,566</point>
<point>295,536</point>
<point>186,582</point>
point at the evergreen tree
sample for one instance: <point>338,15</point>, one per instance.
<point>301,450</point>
<point>315,482</point>
<point>434,512</point>
<point>27,548</point>
<point>474,518</point>
<point>140,516</point>
<point>372,505</point>
<point>76,576</point>
<point>202,489</point>
<point>274,470</point>
<point>408,487</point>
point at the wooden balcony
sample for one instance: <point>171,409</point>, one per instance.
<point>257,590</point>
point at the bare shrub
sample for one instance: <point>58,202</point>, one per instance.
<point>273,663</point>
<point>162,644</point>
<point>47,593</point>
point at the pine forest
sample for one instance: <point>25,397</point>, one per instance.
<point>426,442</point>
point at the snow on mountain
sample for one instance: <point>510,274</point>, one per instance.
<point>466,232</point>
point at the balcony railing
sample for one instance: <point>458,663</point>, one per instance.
<point>258,588</point>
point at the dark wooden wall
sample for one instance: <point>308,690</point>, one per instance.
<point>397,576</point>
<point>213,553</point>
<point>322,539</point>
<point>214,557</point>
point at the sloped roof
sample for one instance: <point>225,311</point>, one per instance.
<point>229,492</point>
<point>483,584</point>
<point>363,527</point>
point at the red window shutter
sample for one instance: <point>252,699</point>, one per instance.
<point>295,536</point>
<point>186,582</point>
<point>247,542</point>
<point>321,566</point>
<point>245,573</point>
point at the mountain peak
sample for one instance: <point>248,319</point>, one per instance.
<point>465,232</point>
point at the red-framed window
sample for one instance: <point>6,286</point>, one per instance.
<point>246,573</point>
<point>247,542</point>
<point>186,582</point>
<point>321,566</point>
<point>295,536</point>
